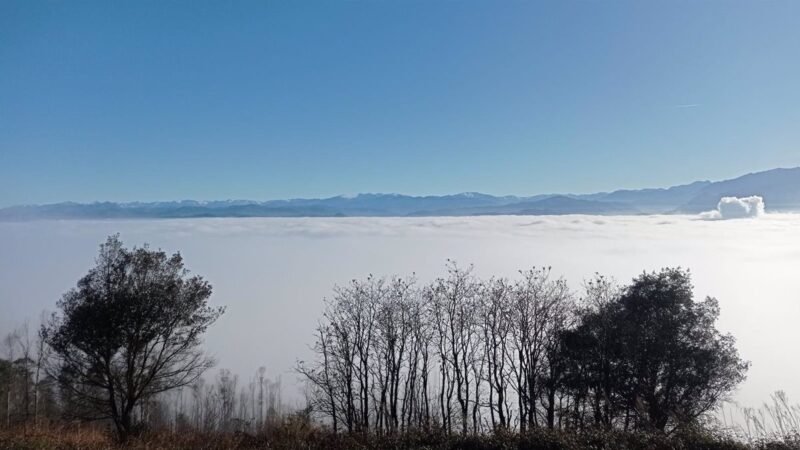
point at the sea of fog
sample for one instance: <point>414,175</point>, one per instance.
<point>274,273</point>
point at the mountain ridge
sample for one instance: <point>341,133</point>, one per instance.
<point>779,187</point>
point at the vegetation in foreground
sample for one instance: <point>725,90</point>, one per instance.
<point>457,363</point>
<point>299,434</point>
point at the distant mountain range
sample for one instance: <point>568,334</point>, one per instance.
<point>780,189</point>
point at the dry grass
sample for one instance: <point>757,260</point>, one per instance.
<point>95,438</point>
<point>774,423</point>
<point>55,437</point>
<point>297,436</point>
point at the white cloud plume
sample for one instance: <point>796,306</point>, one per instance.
<point>736,208</point>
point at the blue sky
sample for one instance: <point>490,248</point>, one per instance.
<point>167,100</point>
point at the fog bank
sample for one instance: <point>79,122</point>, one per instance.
<point>273,273</point>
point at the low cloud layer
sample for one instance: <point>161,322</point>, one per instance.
<point>736,208</point>
<point>272,273</point>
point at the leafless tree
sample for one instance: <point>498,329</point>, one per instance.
<point>497,321</point>
<point>392,341</point>
<point>455,300</point>
<point>536,299</point>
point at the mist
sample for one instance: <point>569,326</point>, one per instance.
<point>274,273</point>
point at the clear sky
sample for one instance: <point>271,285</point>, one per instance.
<point>155,100</point>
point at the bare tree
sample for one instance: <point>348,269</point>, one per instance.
<point>496,327</point>
<point>42,355</point>
<point>10,344</point>
<point>346,344</point>
<point>455,300</point>
<point>536,297</point>
<point>24,364</point>
<point>416,403</point>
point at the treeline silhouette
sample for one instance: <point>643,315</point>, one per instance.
<point>465,355</point>
<point>460,362</point>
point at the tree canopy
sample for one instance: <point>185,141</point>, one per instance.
<point>655,352</point>
<point>131,329</point>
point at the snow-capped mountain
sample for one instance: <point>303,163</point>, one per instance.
<point>780,189</point>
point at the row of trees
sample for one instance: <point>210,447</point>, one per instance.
<point>28,392</point>
<point>224,404</point>
<point>466,355</point>
<point>460,354</point>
